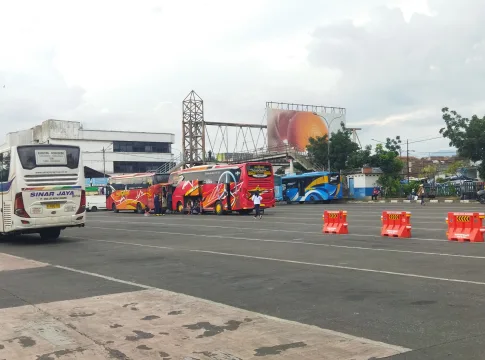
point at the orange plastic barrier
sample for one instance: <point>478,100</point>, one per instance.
<point>335,222</point>
<point>465,226</point>
<point>396,224</point>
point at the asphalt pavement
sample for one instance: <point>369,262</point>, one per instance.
<point>286,290</point>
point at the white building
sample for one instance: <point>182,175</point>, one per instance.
<point>124,151</point>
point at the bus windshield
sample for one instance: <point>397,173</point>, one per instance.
<point>32,156</point>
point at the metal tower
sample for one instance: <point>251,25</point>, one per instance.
<point>193,130</point>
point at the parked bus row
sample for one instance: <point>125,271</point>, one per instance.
<point>219,189</point>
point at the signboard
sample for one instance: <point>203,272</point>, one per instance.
<point>46,157</point>
<point>295,128</point>
<point>259,171</point>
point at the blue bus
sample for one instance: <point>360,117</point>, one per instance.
<point>278,190</point>
<point>313,187</point>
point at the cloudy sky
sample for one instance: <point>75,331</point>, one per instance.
<point>393,64</point>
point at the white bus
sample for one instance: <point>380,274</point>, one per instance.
<point>42,190</point>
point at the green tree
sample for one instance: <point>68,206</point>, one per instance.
<point>466,135</point>
<point>428,171</point>
<point>393,145</point>
<point>455,167</point>
<point>362,157</point>
<point>341,148</point>
<point>387,158</point>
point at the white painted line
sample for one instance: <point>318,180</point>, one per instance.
<point>296,262</point>
<point>295,222</point>
<point>294,241</point>
<point>272,230</point>
<point>146,287</point>
<point>228,308</point>
<point>261,229</point>
<point>342,267</point>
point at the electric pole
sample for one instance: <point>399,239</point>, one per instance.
<point>407,158</point>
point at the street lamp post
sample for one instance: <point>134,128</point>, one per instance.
<point>328,139</point>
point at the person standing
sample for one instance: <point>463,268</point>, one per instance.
<point>164,202</point>
<point>169,200</point>
<point>421,193</point>
<point>256,198</point>
<point>156,201</point>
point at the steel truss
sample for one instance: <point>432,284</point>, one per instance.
<point>193,130</point>
<point>319,109</point>
<point>233,141</point>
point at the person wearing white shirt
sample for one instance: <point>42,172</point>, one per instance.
<point>256,198</point>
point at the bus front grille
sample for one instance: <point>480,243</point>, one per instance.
<point>51,180</point>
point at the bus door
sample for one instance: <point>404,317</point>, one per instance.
<point>301,187</point>
<point>228,198</point>
<point>200,196</point>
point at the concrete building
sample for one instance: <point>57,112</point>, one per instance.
<point>124,151</point>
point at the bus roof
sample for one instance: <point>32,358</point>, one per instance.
<point>124,176</point>
<point>219,166</point>
<point>311,174</point>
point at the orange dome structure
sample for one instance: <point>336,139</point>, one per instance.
<point>302,127</point>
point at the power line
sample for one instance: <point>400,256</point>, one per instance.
<point>424,140</point>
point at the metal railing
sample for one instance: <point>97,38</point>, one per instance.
<point>260,154</point>
<point>269,153</point>
<point>465,190</point>
<point>170,166</point>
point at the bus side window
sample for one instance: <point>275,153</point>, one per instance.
<point>4,166</point>
<point>334,179</point>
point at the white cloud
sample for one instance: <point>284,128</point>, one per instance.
<point>120,64</point>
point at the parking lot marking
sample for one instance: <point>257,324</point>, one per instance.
<point>297,262</point>
<point>255,229</point>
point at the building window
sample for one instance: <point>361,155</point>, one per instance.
<point>127,167</point>
<point>142,147</point>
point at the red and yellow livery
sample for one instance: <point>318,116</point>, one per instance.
<point>223,188</point>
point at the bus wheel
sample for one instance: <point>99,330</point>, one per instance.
<point>50,234</point>
<point>180,207</point>
<point>218,208</point>
<point>114,209</point>
<point>139,209</point>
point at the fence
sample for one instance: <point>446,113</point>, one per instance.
<point>465,191</point>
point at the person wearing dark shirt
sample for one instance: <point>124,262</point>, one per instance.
<point>156,201</point>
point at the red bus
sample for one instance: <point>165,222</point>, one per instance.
<point>223,188</point>
<point>134,192</point>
